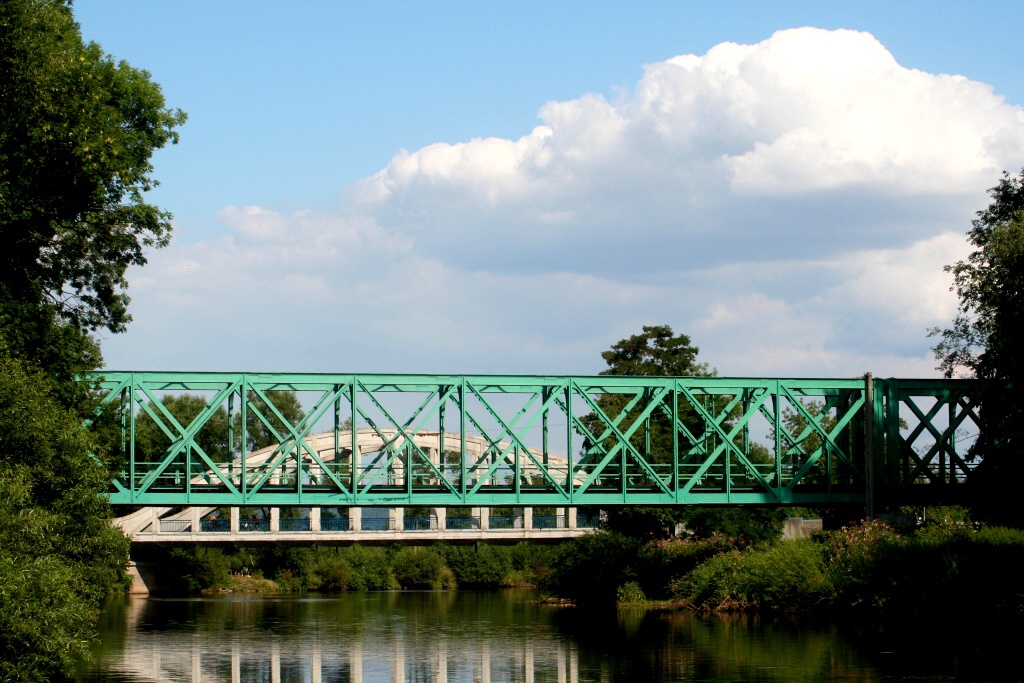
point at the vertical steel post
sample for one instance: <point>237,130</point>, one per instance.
<point>243,392</point>
<point>571,480</point>
<point>777,415</point>
<point>231,435</point>
<point>545,394</point>
<point>675,439</point>
<point>869,445</point>
<point>441,457</point>
<point>462,439</point>
<point>354,456</point>
<point>337,430</point>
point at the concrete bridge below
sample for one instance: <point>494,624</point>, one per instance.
<point>359,525</point>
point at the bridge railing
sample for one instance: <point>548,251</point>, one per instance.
<point>530,440</point>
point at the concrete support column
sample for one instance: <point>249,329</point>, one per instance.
<point>314,519</point>
<point>234,520</point>
<point>485,517</point>
<point>527,518</point>
<point>355,519</point>
<point>275,520</point>
<point>572,518</point>
<point>560,518</point>
<point>441,514</point>
<point>156,521</point>
<point>193,518</point>
<point>397,517</point>
<point>517,518</point>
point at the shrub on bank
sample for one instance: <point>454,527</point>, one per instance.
<point>423,568</point>
<point>782,575</point>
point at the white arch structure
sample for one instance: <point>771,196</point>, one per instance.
<point>166,524</point>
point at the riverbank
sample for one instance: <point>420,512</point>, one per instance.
<point>869,571</point>
<point>332,569</point>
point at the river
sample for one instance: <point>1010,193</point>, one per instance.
<point>479,637</point>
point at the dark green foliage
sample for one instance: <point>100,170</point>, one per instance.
<point>788,575</point>
<point>985,341</point>
<point>655,352</point>
<point>190,569</point>
<point>747,525</point>
<point>590,569</point>
<point>151,440</point>
<point>58,554</point>
<point>45,621</point>
<point>659,562</point>
<point>419,567</point>
<point>257,433</point>
<point>478,566</point>
<point>77,131</point>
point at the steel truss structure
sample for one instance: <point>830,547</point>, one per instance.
<point>443,440</point>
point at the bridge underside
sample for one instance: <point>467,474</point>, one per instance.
<point>446,441</point>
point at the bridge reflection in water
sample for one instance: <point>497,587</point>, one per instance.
<point>276,662</point>
<point>360,638</point>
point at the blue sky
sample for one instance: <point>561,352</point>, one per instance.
<point>295,108</point>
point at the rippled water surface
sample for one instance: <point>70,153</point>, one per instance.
<point>468,637</point>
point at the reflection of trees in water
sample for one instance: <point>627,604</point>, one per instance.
<point>456,637</point>
<point>645,644</point>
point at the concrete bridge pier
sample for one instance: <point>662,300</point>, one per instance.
<point>355,519</point>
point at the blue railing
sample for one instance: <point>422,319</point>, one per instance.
<point>419,523</point>
<point>377,524</point>
<point>334,524</point>
<point>462,522</point>
<point>293,524</point>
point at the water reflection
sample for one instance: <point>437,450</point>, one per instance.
<point>450,637</point>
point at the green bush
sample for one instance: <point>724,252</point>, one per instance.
<point>630,593</point>
<point>419,567</point>
<point>590,568</point>
<point>784,575</point>
<point>478,566</point>
<point>659,562</point>
<point>371,570</point>
<point>191,569</point>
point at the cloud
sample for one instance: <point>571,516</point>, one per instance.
<point>804,143</point>
<point>789,204</point>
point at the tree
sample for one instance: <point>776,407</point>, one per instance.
<point>58,553</point>
<point>986,338</point>
<point>212,437</point>
<point>77,131</point>
<point>257,434</point>
<point>655,352</point>
<point>658,352</point>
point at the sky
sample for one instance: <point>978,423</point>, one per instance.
<point>465,187</point>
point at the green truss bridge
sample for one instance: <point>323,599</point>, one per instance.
<point>488,440</point>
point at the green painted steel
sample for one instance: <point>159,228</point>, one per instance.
<point>487,440</point>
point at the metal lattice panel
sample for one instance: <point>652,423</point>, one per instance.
<point>442,440</point>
